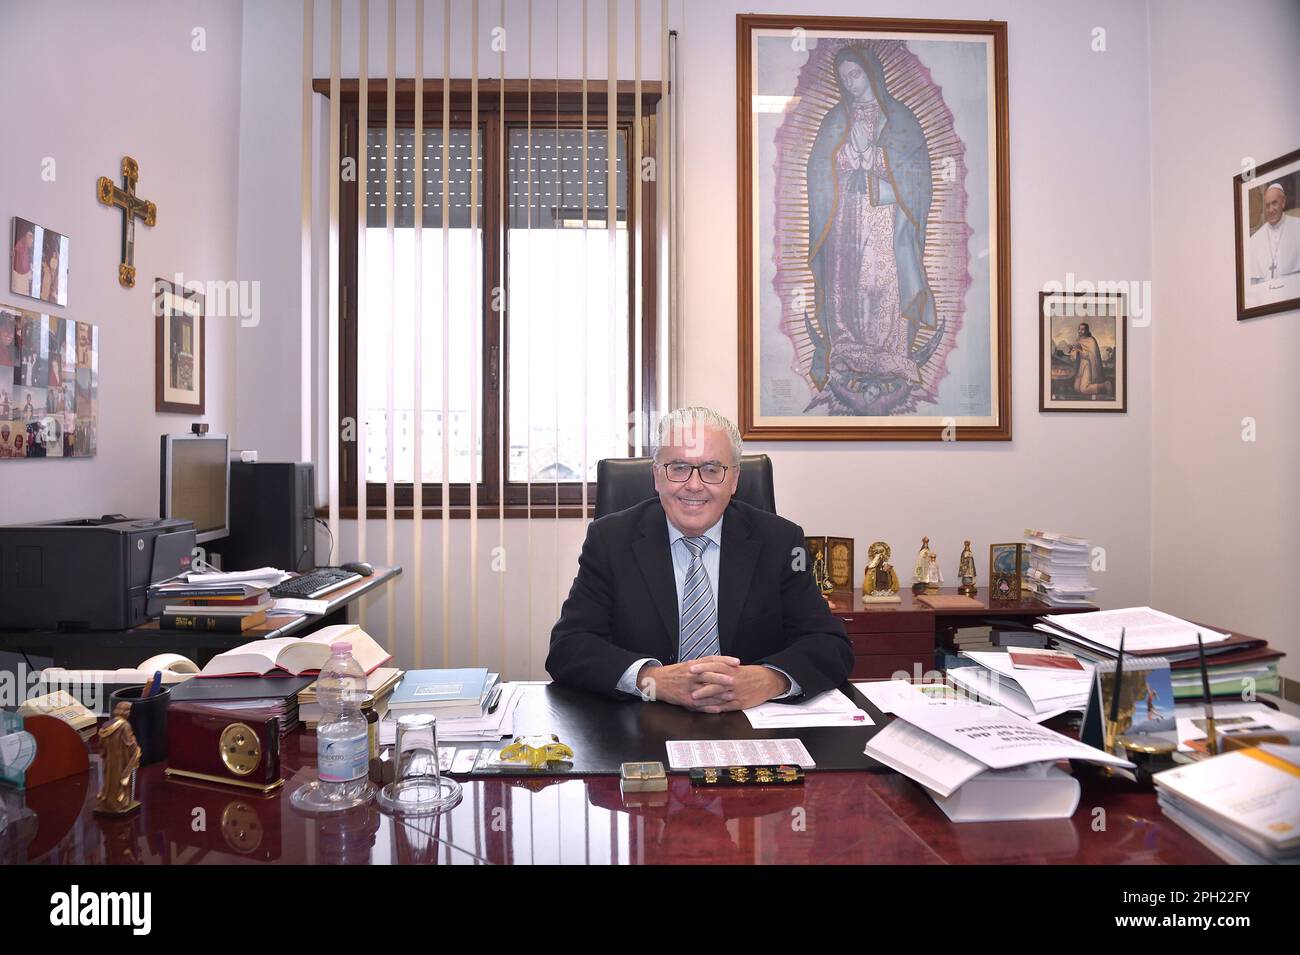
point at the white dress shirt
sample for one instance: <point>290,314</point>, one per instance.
<point>712,558</point>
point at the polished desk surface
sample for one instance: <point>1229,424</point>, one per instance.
<point>856,817</point>
<point>1026,605</point>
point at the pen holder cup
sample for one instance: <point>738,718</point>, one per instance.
<point>148,719</point>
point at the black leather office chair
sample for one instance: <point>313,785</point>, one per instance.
<point>623,482</point>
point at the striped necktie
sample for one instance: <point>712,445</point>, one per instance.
<point>698,616</point>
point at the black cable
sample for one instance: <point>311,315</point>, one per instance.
<point>323,523</point>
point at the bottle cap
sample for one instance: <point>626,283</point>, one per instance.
<point>341,647</point>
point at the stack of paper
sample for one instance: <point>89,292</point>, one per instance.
<point>1234,719</point>
<point>831,708</point>
<point>1235,661</point>
<point>489,726</point>
<point>1058,569</point>
<point>949,748</point>
<point>888,695</point>
<point>1244,805</point>
<point>240,584</point>
<point>1034,694</point>
<point>1144,631</point>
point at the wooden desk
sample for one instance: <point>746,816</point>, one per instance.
<point>889,638</point>
<point>109,649</point>
<point>855,817</point>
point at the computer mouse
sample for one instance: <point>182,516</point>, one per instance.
<point>358,567</point>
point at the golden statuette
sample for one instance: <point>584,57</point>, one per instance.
<point>121,760</point>
<point>879,580</point>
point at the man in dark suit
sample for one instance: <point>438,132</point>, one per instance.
<point>694,599</point>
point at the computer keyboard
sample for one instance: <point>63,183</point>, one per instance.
<point>315,583</point>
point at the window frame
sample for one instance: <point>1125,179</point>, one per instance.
<point>545,102</point>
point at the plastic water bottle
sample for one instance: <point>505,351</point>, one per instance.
<point>342,735</point>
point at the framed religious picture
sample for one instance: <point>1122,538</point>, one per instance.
<point>1006,571</point>
<point>38,262</point>
<point>1082,352</point>
<point>831,559</point>
<point>179,351</point>
<point>874,232</point>
<point>1267,224</point>
<point>49,386</point>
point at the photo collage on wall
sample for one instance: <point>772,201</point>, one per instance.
<point>49,386</point>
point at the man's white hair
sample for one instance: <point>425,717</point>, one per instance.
<point>1275,185</point>
<point>684,428</point>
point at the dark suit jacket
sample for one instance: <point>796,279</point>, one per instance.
<point>623,603</point>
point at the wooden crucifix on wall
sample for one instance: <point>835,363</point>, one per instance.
<point>132,208</point>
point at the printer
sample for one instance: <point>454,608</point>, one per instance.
<point>88,574</point>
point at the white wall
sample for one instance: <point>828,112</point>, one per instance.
<point>87,83</point>
<point>1225,518</point>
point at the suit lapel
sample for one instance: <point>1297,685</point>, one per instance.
<point>656,563</point>
<point>736,569</point>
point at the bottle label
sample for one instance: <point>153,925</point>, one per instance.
<point>344,760</point>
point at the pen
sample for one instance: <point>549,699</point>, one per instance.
<point>1210,743</point>
<point>152,686</point>
<point>494,700</point>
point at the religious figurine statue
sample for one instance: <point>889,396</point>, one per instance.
<point>879,581</point>
<point>921,572</point>
<point>966,572</point>
<point>121,759</point>
<point>933,577</point>
<point>820,574</point>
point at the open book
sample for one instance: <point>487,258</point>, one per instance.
<point>297,655</point>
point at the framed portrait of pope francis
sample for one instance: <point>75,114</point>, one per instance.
<point>874,272</point>
<point>1268,237</point>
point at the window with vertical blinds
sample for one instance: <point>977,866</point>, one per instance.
<point>557,374</point>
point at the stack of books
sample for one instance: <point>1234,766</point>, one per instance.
<point>1244,806</point>
<point>470,704</point>
<point>1057,571</point>
<point>448,694</point>
<point>216,603</point>
<point>380,684</point>
<point>1018,638</point>
<point>1234,662</point>
<point>973,638</point>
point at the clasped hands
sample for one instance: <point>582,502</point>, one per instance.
<point>713,684</point>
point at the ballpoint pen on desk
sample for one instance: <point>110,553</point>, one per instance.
<point>494,699</point>
<point>1211,744</point>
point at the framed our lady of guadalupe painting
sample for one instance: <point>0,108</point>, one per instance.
<point>874,237</point>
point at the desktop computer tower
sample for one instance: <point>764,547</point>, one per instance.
<point>272,517</point>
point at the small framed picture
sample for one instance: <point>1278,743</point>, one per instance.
<point>179,352</point>
<point>1082,352</point>
<point>38,262</point>
<point>1006,571</point>
<point>1268,237</point>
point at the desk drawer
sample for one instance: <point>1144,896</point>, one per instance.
<point>921,642</point>
<point>882,666</point>
<point>887,621</point>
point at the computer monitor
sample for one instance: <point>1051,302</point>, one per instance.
<point>195,482</point>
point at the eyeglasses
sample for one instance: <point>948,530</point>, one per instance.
<point>679,472</point>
